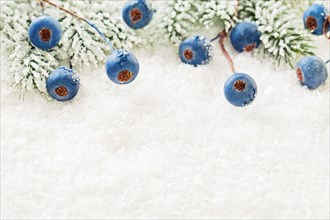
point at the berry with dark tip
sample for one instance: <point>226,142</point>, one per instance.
<point>314,18</point>
<point>45,32</point>
<point>137,14</point>
<point>311,71</point>
<point>122,66</point>
<point>245,37</point>
<point>240,89</point>
<point>195,50</point>
<point>62,84</point>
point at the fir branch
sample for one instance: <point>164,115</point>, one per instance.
<point>182,17</point>
<point>246,10</point>
<point>283,36</point>
<point>220,13</point>
<point>80,44</point>
<point>29,66</point>
<point>301,5</point>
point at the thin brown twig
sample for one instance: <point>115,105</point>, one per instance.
<point>63,9</point>
<point>82,19</point>
<point>236,9</point>
<point>223,35</point>
<point>325,25</point>
<point>42,5</point>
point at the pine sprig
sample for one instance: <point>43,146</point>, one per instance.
<point>185,16</point>
<point>182,17</point>
<point>82,44</point>
<point>219,14</point>
<point>29,66</point>
<point>246,10</point>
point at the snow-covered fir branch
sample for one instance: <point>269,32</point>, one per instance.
<point>182,17</point>
<point>282,34</point>
<point>218,13</point>
<point>83,45</point>
<point>80,44</point>
<point>185,16</point>
<point>29,66</point>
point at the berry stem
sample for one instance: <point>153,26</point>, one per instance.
<point>327,61</point>
<point>216,37</point>
<point>63,9</point>
<point>100,33</point>
<point>222,36</point>
<point>325,26</point>
<point>236,8</point>
<point>42,7</point>
<point>236,15</point>
<point>80,18</point>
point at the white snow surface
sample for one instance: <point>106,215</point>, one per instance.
<point>168,145</point>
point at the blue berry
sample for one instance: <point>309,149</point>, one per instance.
<point>45,32</point>
<point>62,84</point>
<point>240,89</point>
<point>195,50</point>
<point>311,71</point>
<point>137,14</point>
<point>245,37</point>
<point>122,66</point>
<point>314,18</point>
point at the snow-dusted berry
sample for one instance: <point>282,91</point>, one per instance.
<point>240,89</point>
<point>62,84</point>
<point>122,66</point>
<point>195,50</point>
<point>137,14</point>
<point>314,18</point>
<point>245,37</point>
<point>311,71</point>
<point>45,32</point>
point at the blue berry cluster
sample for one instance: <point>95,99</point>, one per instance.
<point>240,89</point>
<point>122,67</point>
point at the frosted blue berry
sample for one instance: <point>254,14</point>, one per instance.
<point>137,14</point>
<point>62,84</point>
<point>45,32</point>
<point>195,50</point>
<point>240,89</point>
<point>314,18</point>
<point>122,67</point>
<point>245,36</point>
<point>311,71</point>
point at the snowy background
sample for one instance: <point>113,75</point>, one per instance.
<point>168,145</point>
